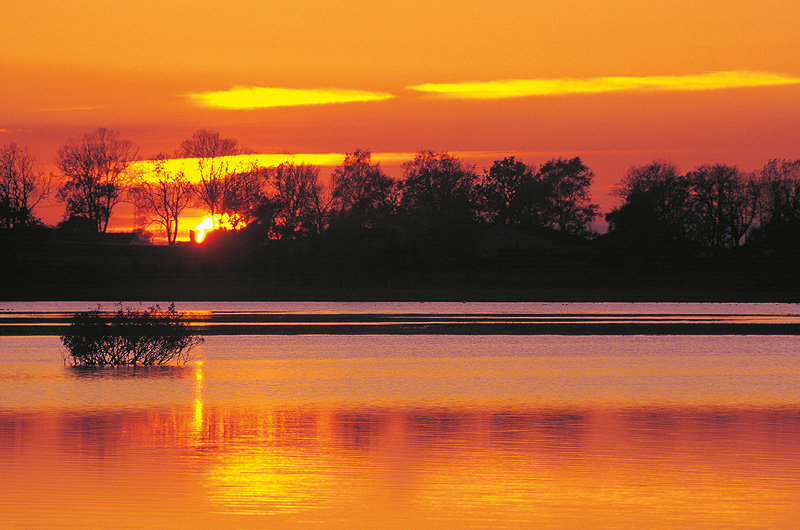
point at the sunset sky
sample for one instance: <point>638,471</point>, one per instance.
<point>617,82</point>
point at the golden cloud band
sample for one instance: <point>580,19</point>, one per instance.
<point>266,97</point>
<point>516,88</point>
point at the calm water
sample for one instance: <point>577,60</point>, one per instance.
<point>413,431</point>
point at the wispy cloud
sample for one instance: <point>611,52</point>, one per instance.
<point>11,131</point>
<point>266,97</point>
<point>517,88</point>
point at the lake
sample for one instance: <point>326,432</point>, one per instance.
<point>313,415</point>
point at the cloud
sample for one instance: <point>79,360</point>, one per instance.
<point>518,88</point>
<point>11,131</point>
<point>266,97</point>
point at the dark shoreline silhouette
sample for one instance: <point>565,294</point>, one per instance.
<point>50,267</point>
<point>443,232</point>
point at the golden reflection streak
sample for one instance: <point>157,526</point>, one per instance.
<point>455,467</point>
<point>197,420</point>
<point>268,481</point>
<point>517,88</point>
<point>240,97</point>
<point>569,468</point>
<point>271,462</point>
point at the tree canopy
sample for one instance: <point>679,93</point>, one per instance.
<point>94,169</point>
<point>724,201</point>
<point>207,144</point>
<point>291,201</point>
<point>779,181</point>
<point>555,195</point>
<point>160,195</point>
<point>22,186</point>
<point>361,189</point>
<point>221,181</point>
<point>655,202</point>
<point>437,187</point>
<point>713,206</point>
<point>565,188</point>
<point>506,192</point>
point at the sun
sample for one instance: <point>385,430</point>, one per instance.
<point>201,229</point>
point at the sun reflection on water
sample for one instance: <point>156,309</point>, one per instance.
<point>197,423</point>
<point>431,433</point>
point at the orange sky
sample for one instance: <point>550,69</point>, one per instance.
<point>615,81</point>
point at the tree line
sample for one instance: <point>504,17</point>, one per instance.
<point>440,197</point>
<point>712,207</point>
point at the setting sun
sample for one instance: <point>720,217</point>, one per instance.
<point>201,229</point>
<point>210,223</point>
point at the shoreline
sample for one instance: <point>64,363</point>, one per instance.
<point>225,323</point>
<point>525,330</point>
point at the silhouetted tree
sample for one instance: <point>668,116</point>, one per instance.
<point>725,203</point>
<point>655,203</point>
<point>22,186</point>
<point>160,195</point>
<point>292,202</point>
<point>506,192</point>
<point>208,144</point>
<point>436,215</point>
<point>265,212</point>
<point>780,192</point>
<point>779,209</point>
<point>361,190</point>
<point>218,178</point>
<point>94,168</point>
<point>242,194</point>
<point>565,201</point>
<point>438,187</point>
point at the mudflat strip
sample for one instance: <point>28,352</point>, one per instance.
<point>354,323</point>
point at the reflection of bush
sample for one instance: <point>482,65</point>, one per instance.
<point>163,371</point>
<point>129,337</point>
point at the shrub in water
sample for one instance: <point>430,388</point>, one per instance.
<point>129,336</point>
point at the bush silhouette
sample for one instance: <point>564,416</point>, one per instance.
<point>129,337</point>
